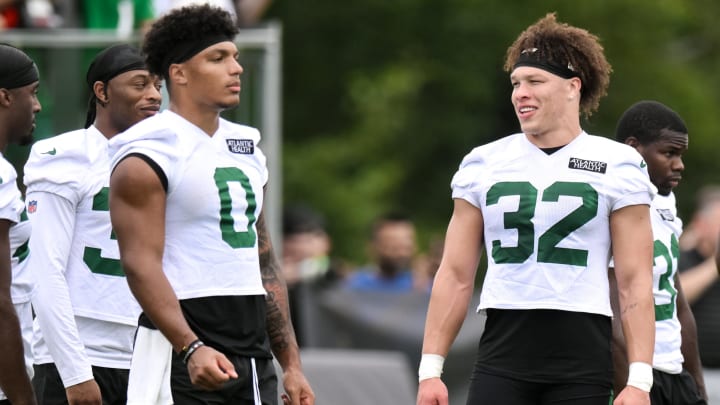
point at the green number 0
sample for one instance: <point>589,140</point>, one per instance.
<point>91,256</point>
<point>223,177</point>
<point>666,311</point>
<point>521,220</point>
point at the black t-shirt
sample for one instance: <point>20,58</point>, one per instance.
<point>707,313</point>
<point>229,324</point>
<point>547,346</point>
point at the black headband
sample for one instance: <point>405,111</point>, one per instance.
<point>183,51</point>
<point>16,69</point>
<point>113,61</point>
<point>109,63</point>
<point>531,57</point>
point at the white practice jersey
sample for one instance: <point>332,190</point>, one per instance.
<point>546,218</point>
<point>67,179</point>
<point>12,208</point>
<point>214,197</point>
<point>667,228</point>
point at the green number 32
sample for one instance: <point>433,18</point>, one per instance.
<point>666,311</point>
<point>521,220</point>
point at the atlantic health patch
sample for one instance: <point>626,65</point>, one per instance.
<point>666,214</point>
<point>588,165</point>
<point>241,146</point>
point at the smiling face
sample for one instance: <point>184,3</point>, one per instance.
<point>664,159</point>
<point>131,97</point>
<point>544,102</point>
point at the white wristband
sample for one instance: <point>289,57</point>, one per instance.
<point>640,376</point>
<point>431,366</point>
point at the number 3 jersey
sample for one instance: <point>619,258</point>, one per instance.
<point>667,228</point>
<point>214,197</point>
<point>546,218</point>
<point>67,180</point>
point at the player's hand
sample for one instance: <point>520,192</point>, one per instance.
<point>297,388</point>
<point>432,391</point>
<point>632,396</point>
<point>209,369</point>
<point>85,393</point>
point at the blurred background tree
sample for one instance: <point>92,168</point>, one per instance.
<point>383,99</point>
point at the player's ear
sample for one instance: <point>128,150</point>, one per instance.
<point>177,74</point>
<point>5,97</point>
<point>632,141</point>
<point>99,91</point>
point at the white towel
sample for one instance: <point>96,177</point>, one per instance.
<point>149,382</point>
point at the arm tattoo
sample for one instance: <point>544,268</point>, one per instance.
<point>629,307</point>
<point>279,328</point>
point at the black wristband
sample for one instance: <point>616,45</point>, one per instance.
<point>188,350</point>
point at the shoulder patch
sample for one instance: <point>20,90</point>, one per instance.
<point>241,146</point>
<point>50,152</point>
<point>587,165</point>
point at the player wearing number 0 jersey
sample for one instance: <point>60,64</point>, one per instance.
<point>661,137</point>
<point>186,205</point>
<point>225,174</point>
<point>86,315</point>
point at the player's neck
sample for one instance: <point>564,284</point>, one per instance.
<point>207,120</point>
<point>105,128</point>
<point>555,137</point>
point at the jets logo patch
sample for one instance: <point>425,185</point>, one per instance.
<point>241,146</point>
<point>587,165</point>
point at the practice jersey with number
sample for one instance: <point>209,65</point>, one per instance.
<point>667,227</point>
<point>86,312</point>
<point>76,166</point>
<point>547,218</point>
<point>214,197</point>
<point>12,208</point>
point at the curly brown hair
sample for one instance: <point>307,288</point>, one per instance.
<point>180,25</point>
<point>563,44</point>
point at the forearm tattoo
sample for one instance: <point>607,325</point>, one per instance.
<point>279,328</point>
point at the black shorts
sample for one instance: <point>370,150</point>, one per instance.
<point>49,388</point>
<point>237,391</point>
<point>487,389</point>
<point>674,389</point>
<point>546,346</point>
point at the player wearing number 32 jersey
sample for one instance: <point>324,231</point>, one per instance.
<point>548,205</point>
<point>660,135</point>
<point>543,210</point>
